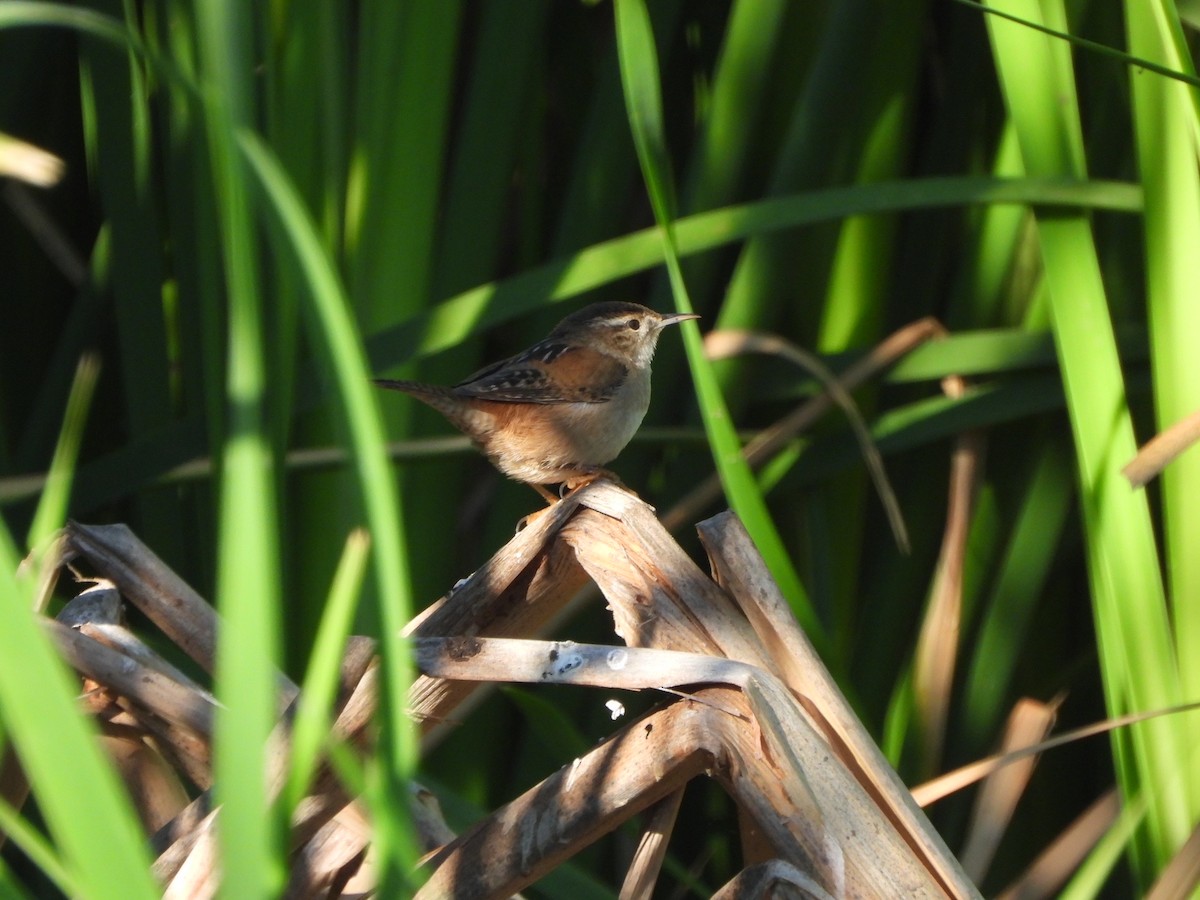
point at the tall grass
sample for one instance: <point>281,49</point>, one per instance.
<point>265,204</point>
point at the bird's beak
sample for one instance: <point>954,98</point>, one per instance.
<point>676,317</point>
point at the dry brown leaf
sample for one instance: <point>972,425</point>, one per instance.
<point>1029,723</point>
<point>1054,865</point>
<point>1162,450</point>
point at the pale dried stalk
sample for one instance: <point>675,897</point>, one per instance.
<point>934,790</point>
<point>156,721</point>
<point>775,879</point>
<point>514,593</point>
<point>770,747</point>
<point>146,581</point>
<point>155,789</point>
<point>1054,865</point>
<point>738,567</point>
<point>937,645</point>
<point>652,848</point>
<point>99,601</point>
<point>1182,874</point>
<point>630,771</point>
<point>1028,724</point>
<point>154,785</point>
<point>1161,450</point>
<point>178,704</point>
<point>428,821</point>
<point>637,585</point>
<point>811,812</point>
<point>141,693</point>
<point>758,451</point>
<point>660,598</point>
<point>326,814</point>
<point>342,841</point>
<point>657,595</point>
<point>191,868</point>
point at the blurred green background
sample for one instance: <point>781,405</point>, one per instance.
<point>265,203</point>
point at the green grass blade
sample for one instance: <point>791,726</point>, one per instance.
<point>10,888</point>
<point>1165,126</point>
<point>1093,874</point>
<point>52,508</point>
<point>248,574</point>
<point>473,211</point>
<point>20,13</point>
<point>37,849</point>
<point>1018,586</point>
<point>1180,71</point>
<point>77,791</point>
<point>1137,653</point>
<point>640,81</point>
<point>474,310</point>
<point>334,334</point>
<point>406,57</point>
<point>319,689</point>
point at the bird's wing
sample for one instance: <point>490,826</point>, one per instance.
<point>549,372</point>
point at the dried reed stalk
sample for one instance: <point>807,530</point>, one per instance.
<point>747,703</point>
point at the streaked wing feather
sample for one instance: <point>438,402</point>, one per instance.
<point>549,372</point>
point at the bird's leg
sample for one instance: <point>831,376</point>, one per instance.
<point>548,495</point>
<point>569,487</point>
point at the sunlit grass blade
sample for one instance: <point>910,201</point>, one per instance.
<point>398,110</point>
<point>723,153</point>
<point>333,333</point>
<point>248,574</point>
<point>1165,129</point>
<point>1180,72</point>
<point>742,73</point>
<point>1137,654</point>
<point>312,721</point>
<point>858,278</point>
<point>23,13</point>
<point>639,79</point>
<point>473,210</point>
<point>77,791</point>
<point>471,311</point>
<point>52,508</point>
<point>37,850</point>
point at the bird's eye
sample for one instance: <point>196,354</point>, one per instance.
<point>634,324</point>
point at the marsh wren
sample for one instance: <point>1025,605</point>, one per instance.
<point>558,412</point>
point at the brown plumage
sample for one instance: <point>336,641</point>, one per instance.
<point>557,412</point>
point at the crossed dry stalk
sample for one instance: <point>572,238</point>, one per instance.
<point>746,702</point>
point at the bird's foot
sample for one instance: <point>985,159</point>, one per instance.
<point>573,484</point>
<point>548,495</point>
<point>566,488</point>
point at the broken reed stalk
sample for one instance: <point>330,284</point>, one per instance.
<point>750,705</point>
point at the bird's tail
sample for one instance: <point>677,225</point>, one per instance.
<point>434,395</point>
<point>474,422</point>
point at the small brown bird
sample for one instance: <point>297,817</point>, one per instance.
<point>566,406</point>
